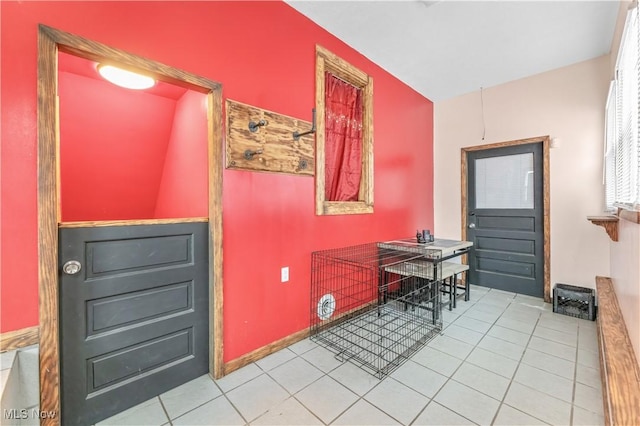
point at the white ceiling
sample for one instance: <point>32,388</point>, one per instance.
<point>447,48</point>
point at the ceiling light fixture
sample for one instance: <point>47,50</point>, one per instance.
<point>124,78</point>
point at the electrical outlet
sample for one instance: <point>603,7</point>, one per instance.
<point>284,274</point>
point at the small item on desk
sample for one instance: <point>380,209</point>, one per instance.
<point>424,237</point>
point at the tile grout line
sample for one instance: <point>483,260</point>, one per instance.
<point>293,395</point>
<point>539,316</point>
<point>432,399</point>
<point>224,394</point>
<point>493,324</point>
<point>575,383</point>
<point>321,376</point>
<point>362,397</point>
<point>575,378</point>
<point>359,397</point>
<point>266,373</point>
<point>324,374</point>
<point>199,406</point>
<point>502,401</point>
<point>166,413</point>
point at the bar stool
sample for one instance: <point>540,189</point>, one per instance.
<point>417,285</point>
<point>450,286</point>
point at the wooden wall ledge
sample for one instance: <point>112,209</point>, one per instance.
<point>609,223</point>
<point>619,369</point>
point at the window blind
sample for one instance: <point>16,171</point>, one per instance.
<point>611,131</point>
<point>622,152</point>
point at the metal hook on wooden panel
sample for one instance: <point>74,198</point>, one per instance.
<point>297,135</point>
<point>248,154</point>
<point>253,126</point>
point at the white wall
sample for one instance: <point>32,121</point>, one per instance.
<point>566,104</point>
<point>625,272</point>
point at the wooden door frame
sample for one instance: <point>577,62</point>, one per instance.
<point>545,140</point>
<point>50,41</point>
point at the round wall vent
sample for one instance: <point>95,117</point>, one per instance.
<point>326,306</point>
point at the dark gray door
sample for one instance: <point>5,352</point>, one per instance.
<point>505,218</point>
<point>134,320</point>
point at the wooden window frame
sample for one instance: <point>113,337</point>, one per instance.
<point>327,61</point>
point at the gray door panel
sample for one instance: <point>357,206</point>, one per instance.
<point>503,222</point>
<point>134,322</point>
<point>508,242</point>
<point>505,244</point>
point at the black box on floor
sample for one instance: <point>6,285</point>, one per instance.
<point>574,301</point>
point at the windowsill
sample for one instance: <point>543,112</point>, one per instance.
<point>629,215</point>
<point>346,207</point>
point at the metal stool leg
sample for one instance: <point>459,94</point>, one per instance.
<point>466,286</point>
<point>454,289</point>
<point>445,287</point>
<point>452,302</point>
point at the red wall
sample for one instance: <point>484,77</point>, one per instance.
<point>184,186</point>
<point>113,143</point>
<point>264,54</point>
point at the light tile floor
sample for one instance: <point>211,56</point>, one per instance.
<point>502,359</point>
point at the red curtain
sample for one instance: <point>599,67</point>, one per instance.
<point>343,139</point>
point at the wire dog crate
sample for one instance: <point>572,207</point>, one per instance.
<point>375,306</point>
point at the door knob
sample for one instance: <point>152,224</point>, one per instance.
<point>472,225</point>
<point>71,267</point>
